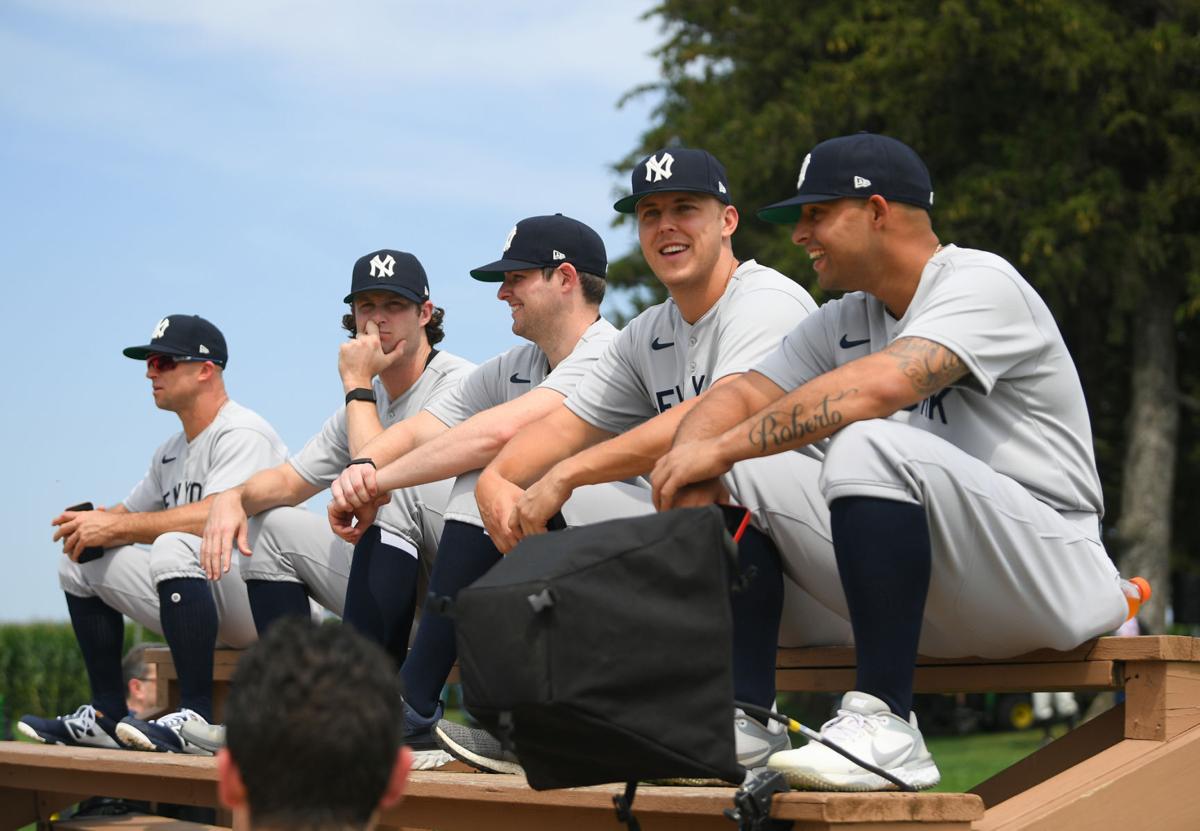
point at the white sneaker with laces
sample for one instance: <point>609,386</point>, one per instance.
<point>865,727</point>
<point>757,742</point>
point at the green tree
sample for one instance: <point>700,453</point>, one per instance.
<point>1061,134</point>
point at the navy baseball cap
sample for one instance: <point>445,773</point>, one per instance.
<point>547,241</point>
<point>676,169</point>
<point>386,270</point>
<point>858,167</point>
<point>183,336</point>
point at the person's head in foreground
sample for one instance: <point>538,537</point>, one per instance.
<point>314,731</point>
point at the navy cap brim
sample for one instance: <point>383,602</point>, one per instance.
<point>494,272</point>
<point>407,294</point>
<point>789,210</point>
<point>628,204</point>
<point>141,353</point>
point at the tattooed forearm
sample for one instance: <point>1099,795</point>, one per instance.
<point>928,366</point>
<point>777,429</point>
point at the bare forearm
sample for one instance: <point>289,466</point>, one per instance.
<point>630,454</point>
<point>147,526</point>
<point>273,487</point>
<point>543,444</point>
<point>362,426</point>
<point>875,386</point>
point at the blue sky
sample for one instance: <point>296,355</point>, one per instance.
<point>233,159</point>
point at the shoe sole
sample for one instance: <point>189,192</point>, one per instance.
<point>475,760</point>
<point>30,734</point>
<point>921,778</point>
<point>430,759</point>
<point>130,736</point>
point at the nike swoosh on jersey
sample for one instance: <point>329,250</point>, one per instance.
<point>846,343</point>
<point>167,460</point>
<point>655,345</point>
<point>515,380</point>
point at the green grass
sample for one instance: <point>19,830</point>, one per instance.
<point>965,761</point>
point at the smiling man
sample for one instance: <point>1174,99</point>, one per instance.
<point>960,483</point>
<point>105,575</point>
<point>722,317</point>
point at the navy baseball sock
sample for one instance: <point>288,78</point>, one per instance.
<point>272,599</point>
<point>756,612</point>
<point>381,595</point>
<point>884,561</point>
<point>465,553</point>
<point>100,632</point>
<point>189,620</point>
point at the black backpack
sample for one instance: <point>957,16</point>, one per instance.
<point>603,653</point>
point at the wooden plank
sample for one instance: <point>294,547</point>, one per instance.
<point>1068,750</point>
<point>475,800</point>
<point>1162,699</point>
<point>1147,648</point>
<point>1133,785</point>
<point>133,822</point>
<point>1049,677</point>
<point>162,777</point>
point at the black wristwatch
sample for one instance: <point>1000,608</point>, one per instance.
<point>361,461</point>
<point>361,394</point>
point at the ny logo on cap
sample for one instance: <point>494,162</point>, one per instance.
<point>383,268</point>
<point>860,182</point>
<point>508,240</point>
<point>160,329</point>
<point>658,169</point>
<point>803,170</point>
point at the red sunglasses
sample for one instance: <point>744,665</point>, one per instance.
<point>165,363</point>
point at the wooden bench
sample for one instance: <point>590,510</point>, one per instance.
<point>36,780</point>
<point>132,822</point>
<point>1134,763</point>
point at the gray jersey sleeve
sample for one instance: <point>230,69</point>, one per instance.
<point>983,318</point>
<point>613,396</point>
<point>742,340</point>
<point>803,354</point>
<point>571,370</point>
<point>326,454</point>
<point>236,455</point>
<point>480,389</point>
<point>147,494</point>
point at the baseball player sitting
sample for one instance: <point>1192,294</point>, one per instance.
<point>163,589</point>
<point>722,318</point>
<point>963,499</point>
<point>390,369</point>
<point>551,276</point>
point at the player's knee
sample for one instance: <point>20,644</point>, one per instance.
<point>175,554</point>
<point>867,452</point>
<point>71,578</point>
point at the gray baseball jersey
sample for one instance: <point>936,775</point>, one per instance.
<point>519,370</point>
<point>327,453</point>
<point>1021,407</point>
<point>511,375</point>
<point>660,360</point>
<point>1001,462</point>
<point>237,444</point>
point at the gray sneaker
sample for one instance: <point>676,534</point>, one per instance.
<point>755,742</point>
<point>476,747</point>
<point>211,737</point>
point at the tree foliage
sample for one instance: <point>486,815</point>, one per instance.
<point>1061,134</point>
